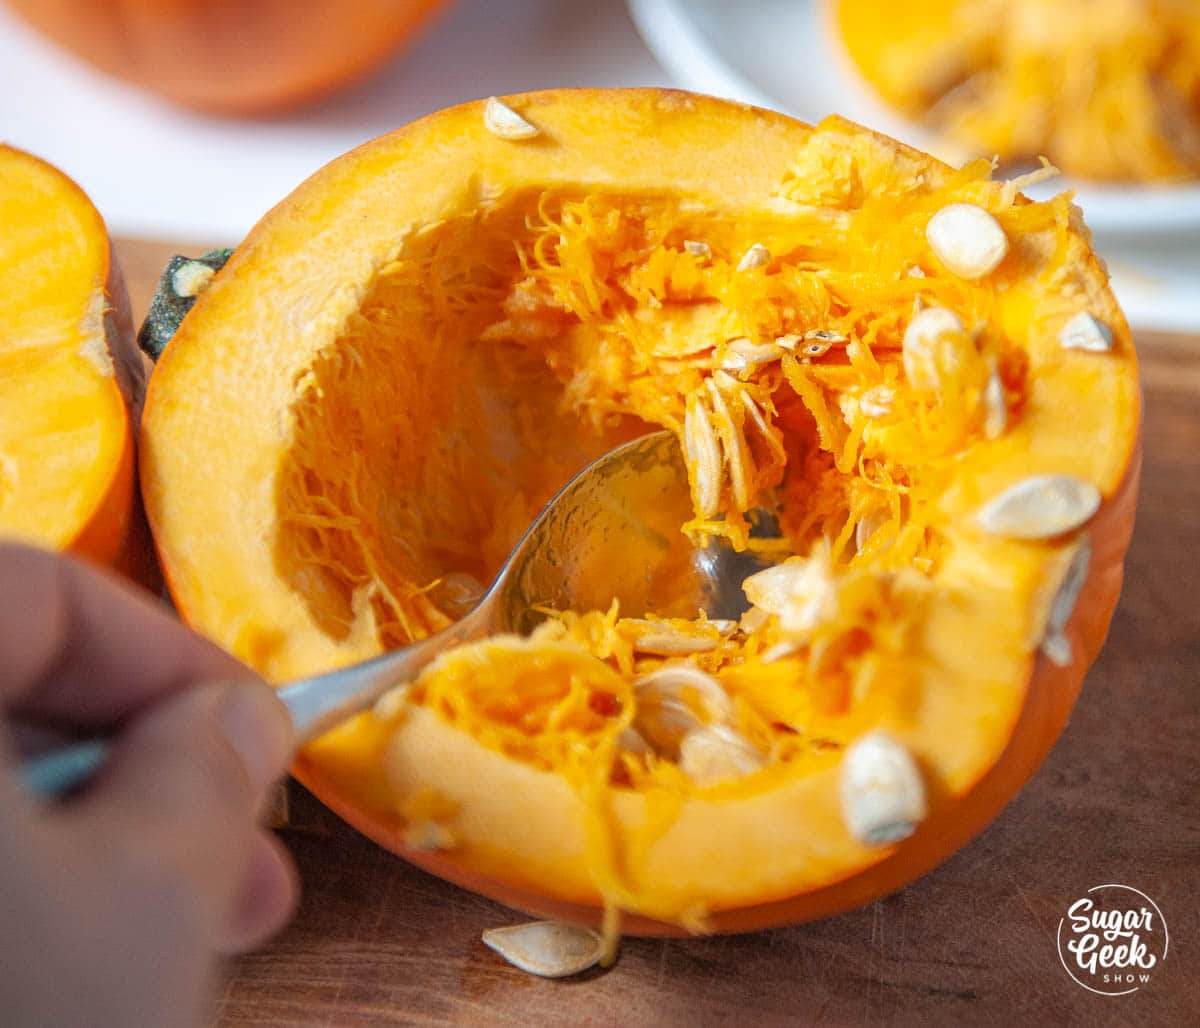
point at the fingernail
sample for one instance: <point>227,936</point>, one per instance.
<point>258,727</point>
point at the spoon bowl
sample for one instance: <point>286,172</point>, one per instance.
<point>613,532</point>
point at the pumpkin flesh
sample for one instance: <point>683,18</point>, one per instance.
<point>67,366</point>
<point>537,305</point>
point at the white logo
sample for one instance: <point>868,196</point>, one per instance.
<point>1112,940</point>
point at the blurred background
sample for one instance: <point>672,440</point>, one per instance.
<point>159,168</point>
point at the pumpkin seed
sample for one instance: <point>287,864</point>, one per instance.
<point>743,355</point>
<point>995,419</point>
<point>919,349</point>
<point>1055,645</point>
<point>664,716</point>
<point>1040,507</point>
<point>716,753</point>
<point>800,590</point>
<point>877,401</point>
<point>673,644</point>
<point>824,335</point>
<point>968,240</point>
<point>549,949</point>
<point>760,422</point>
<point>704,455</point>
<point>1086,332</point>
<point>632,741</point>
<point>867,526</point>
<point>697,248</point>
<point>882,793</point>
<point>779,651</point>
<point>756,257</point>
<point>818,342</point>
<point>734,448</point>
<point>754,619</point>
<point>501,120</point>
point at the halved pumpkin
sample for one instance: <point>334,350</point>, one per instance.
<point>1107,89</point>
<point>409,355</point>
<point>70,373</point>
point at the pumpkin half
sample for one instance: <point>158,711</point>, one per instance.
<point>231,56</point>
<point>1108,89</point>
<point>70,374</point>
<point>410,354</point>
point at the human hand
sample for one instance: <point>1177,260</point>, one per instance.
<point>115,903</point>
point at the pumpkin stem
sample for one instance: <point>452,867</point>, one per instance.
<point>182,281</point>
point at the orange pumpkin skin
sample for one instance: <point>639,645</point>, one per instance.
<point>69,321</point>
<point>645,142</point>
<point>237,57</point>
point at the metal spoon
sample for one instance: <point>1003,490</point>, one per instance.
<point>613,531</point>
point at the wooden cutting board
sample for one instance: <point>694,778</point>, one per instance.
<point>377,942</point>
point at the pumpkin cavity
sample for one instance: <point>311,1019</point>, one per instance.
<point>500,351</point>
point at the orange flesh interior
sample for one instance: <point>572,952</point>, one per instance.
<point>65,446</point>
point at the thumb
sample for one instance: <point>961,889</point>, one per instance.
<point>175,807</point>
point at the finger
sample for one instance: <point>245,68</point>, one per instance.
<point>269,894</point>
<point>175,807</point>
<point>83,649</point>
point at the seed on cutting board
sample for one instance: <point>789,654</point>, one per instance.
<point>882,792</point>
<point>1040,507</point>
<point>501,120</point>
<point>1086,332</point>
<point>968,240</point>
<point>549,949</point>
<point>756,257</point>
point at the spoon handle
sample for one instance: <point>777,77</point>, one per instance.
<point>319,703</point>
<point>316,704</point>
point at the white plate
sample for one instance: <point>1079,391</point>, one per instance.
<point>779,54</point>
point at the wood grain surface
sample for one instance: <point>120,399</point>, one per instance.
<point>377,942</point>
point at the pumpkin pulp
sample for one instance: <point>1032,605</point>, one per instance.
<point>534,322</point>
<point>1107,88</point>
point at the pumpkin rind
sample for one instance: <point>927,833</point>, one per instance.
<point>72,379</point>
<point>775,846</point>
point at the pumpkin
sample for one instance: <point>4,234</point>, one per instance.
<point>231,56</point>
<point>923,373</point>
<point>71,376</point>
<point>1107,89</point>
